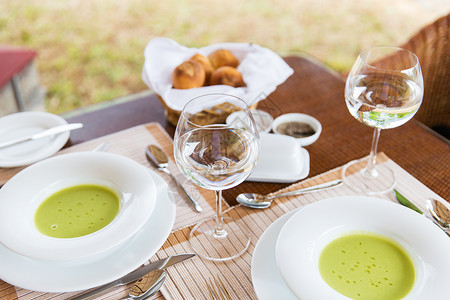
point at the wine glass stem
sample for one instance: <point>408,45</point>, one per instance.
<point>370,169</point>
<point>218,230</point>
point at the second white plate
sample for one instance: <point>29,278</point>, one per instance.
<point>26,123</point>
<point>266,277</point>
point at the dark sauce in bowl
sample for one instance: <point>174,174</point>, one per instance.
<point>296,129</point>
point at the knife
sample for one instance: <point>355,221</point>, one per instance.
<point>47,132</point>
<point>135,275</point>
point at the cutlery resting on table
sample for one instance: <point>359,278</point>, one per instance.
<point>135,275</point>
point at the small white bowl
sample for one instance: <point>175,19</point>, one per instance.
<point>301,118</point>
<point>263,119</point>
<point>22,195</point>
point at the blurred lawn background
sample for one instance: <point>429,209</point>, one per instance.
<point>92,51</point>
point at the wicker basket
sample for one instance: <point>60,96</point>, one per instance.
<point>163,55</point>
<point>216,114</point>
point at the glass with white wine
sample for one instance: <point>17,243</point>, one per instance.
<point>216,156</point>
<point>383,90</point>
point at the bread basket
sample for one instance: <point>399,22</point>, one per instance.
<point>262,70</point>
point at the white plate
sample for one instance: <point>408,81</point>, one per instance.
<point>18,204</point>
<point>266,278</point>
<point>281,159</point>
<point>25,123</point>
<point>81,274</point>
<point>309,230</point>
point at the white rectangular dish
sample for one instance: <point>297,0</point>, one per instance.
<point>281,160</point>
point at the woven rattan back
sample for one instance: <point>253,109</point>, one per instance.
<point>432,45</point>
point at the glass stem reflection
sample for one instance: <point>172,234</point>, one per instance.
<point>370,170</point>
<point>218,229</point>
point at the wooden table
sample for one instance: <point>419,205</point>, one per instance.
<point>315,90</point>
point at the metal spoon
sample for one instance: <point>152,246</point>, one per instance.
<point>147,286</point>
<point>158,158</point>
<point>261,201</point>
<point>440,213</point>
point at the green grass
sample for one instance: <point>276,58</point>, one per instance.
<point>91,51</point>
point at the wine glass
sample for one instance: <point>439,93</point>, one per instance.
<point>216,156</point>
<point>383,90</point>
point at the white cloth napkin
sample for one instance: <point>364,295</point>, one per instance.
<point>262,70</point>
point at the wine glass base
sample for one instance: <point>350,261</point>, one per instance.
<point>232,241</point>
<point>381,180</point>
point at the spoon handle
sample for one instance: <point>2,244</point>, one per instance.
<point>196,205</point>
<point>150,291</point>
<point>440,226</point>
<point>310,189</point>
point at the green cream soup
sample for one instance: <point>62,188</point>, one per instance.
<point>77,211</point>
<point>367,266</point>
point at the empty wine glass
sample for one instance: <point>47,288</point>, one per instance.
<point>216,156</point>
<point>383,90</point>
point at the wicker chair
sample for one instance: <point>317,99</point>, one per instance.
<point>432,45</point>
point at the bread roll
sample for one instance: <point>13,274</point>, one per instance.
<point>206,66</point>
<point>190,74</point>
<point>223,57</point>
<point>228,76</point>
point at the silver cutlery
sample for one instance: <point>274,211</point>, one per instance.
<point>39,135</point>
<point>147,286</point>
<point>263,201</point>
<point>135,275</point>
<point>217,290</point>
<point>439,214</point>
<point>158,158</point>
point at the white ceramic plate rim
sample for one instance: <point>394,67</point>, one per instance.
<point>81,274</point>
<point>33,122</point>
<point>266,277</point>
<point>309,230</point>
<point>18,205</point>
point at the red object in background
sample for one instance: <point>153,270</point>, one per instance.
<point>12,61</point>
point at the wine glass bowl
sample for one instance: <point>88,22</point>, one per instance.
<point>384,90</point>
<point>216,156</point>
<point>211,167</point>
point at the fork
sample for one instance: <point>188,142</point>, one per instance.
<point>217,289</point>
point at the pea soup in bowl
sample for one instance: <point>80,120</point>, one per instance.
<point>78,208</point>
<point>362,264</point>
<point>357,247</point>
<point>75,205</point>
